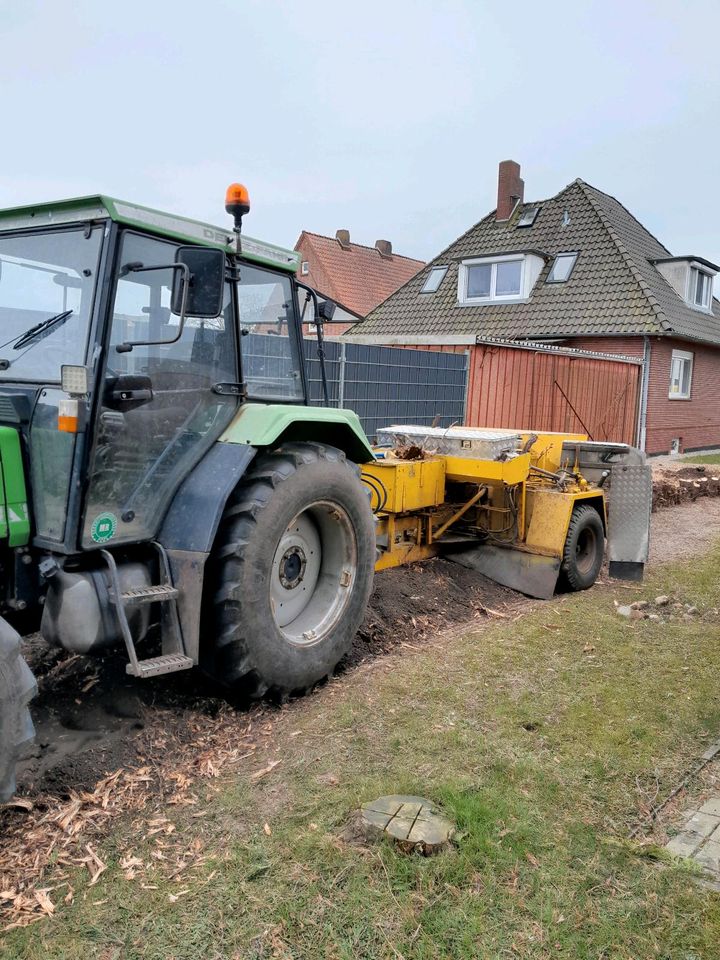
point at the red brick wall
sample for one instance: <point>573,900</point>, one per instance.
<point>696,422</point>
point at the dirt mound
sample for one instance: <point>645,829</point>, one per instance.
<point>412,603</point>
<point>671,487</point>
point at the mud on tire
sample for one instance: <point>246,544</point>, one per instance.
<point>291,571</point>
<point>17,688</point>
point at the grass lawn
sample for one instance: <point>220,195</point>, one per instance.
<point>545,738</point>
<point>703,458</point>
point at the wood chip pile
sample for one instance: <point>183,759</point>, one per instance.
<point>45,840</point>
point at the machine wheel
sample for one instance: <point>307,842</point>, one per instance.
<point>17,688</point>
<point>584,548</point>
<point>292,568</point>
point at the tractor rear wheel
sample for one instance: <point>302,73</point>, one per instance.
<point>292,571</point>
<point>584,548</point>
<point>17,688</point>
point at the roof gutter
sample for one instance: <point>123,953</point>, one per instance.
<point>539,347</point>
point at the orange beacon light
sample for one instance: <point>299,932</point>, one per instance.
<point>237,202</point>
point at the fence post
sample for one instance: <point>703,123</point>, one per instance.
<point>341,375</point>
<point>466,390</point>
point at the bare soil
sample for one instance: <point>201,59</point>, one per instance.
<point>92,718</point>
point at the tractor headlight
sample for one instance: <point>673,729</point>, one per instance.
<point>74,379</point>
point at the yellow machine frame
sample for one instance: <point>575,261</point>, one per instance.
<point>524,502</point>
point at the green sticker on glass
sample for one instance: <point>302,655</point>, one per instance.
<point>103,527</point>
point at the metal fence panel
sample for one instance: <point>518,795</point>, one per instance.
<point>386,385</point>
<point>332,369</point>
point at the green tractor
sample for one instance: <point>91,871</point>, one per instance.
<point>160,465</point>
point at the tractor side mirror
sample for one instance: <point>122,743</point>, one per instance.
<point>127,391</point>
<point>202,294</point>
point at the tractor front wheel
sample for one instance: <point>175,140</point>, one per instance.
<point>292,572</point>
<point>584,548</point>
<point>17,688</point>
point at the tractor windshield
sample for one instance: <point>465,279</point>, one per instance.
<point>46,277</point>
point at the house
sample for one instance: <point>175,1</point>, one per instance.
<point>574,316</point>
<point>355,277</point>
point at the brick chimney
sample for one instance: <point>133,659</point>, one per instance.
<point>384,248</point>
<point>343,238</point>
<point>510,189</point>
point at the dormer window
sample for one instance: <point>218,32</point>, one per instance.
<point>691,278</point>
<point>502,279</point>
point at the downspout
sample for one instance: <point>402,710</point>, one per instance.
<point>469,360</point>
<point>644,387</point>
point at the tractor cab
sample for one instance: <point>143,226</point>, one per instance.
<point>129,339</point>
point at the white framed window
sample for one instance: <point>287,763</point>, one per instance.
<point>701,284</point>
<point>434,279</point>
<point>681,366</point>
<point>305,268</point>
<point>562,268</point>
<point>491,280</point>
<point>498,279</point>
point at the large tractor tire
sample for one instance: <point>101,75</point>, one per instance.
<point>584,548</point>
<point>17,688</point>
<point>291,571</point>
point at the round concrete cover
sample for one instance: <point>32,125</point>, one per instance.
<point>409,820</point>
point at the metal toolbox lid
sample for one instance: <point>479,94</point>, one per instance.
<point>479,442</point>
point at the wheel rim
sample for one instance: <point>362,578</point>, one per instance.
<point>585,550</point>
<point>313,572</point>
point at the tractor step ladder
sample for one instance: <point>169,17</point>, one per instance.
<point>173,657</point>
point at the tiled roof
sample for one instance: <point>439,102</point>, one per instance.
<point>613,289</point>
<point>358,278</point>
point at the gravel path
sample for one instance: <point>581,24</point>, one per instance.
<point>685,530</point>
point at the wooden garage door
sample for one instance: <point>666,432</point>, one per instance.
<point>531,389</point>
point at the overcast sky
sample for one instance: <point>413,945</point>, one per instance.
<point>385,117</point>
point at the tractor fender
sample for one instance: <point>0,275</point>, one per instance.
<point>192,519</point>
<point>269,425</point>
<point>190,526</point>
